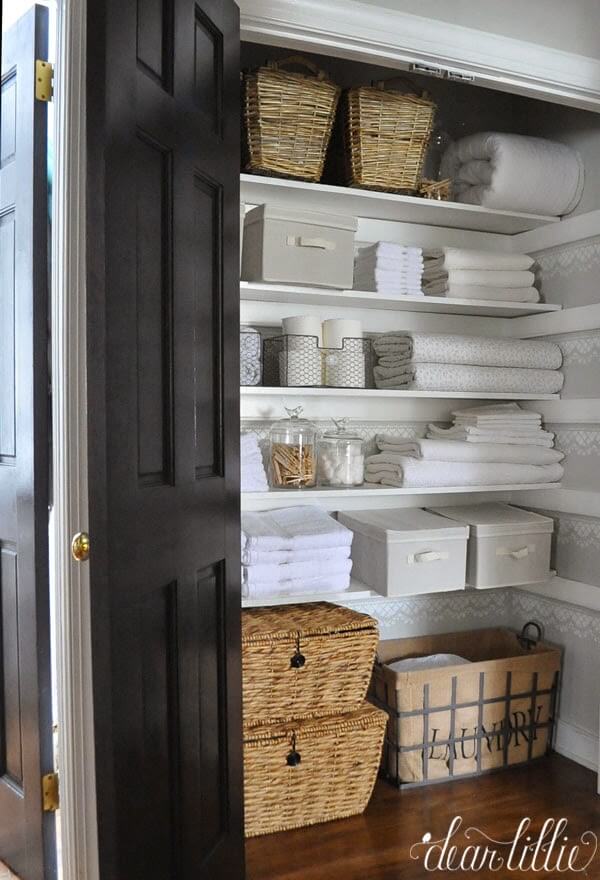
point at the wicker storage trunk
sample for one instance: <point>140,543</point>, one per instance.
<point>288,119</point>
<point>461,721</point>
<point>304,772</point>
<point>305,660</point>
<point>386,135</point>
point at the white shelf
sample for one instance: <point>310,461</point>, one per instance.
<point>256,190</point>
<point>357,590</point>
<point>369,496</point>
<point>380,393</point>
<point>359,299</point>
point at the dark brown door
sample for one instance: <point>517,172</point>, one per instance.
<point>163,387</point>
<point>25,696</point>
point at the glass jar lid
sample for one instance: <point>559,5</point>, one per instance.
<point>294,419</point>
<point>339,431</point>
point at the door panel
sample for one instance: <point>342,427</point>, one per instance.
<point>163,374</point>
<point>25,695</point>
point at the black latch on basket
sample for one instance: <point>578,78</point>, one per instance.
<point>294,757</point>
<point>298,660</point>
<point>525,640</point>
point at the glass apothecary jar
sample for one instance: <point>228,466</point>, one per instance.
<point>341,457</point>
<point>293,453</point>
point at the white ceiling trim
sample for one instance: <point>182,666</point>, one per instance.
<point>384,36</point>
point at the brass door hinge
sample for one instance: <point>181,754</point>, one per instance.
<point>44,73</point>
<point>50,794</point>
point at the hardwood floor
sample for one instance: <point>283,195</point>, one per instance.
<point>376,845</point>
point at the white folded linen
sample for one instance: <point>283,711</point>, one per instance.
<point>433,661</point>
<point>459,377</point>
<point>484,277</point>
<point>280,557</point>
<point>471,258</point>
<point>476,291</point>
<point>513,172</point>
<point>460,450</point>
<point>338,583</point>
<point>253,477</point>
<point>419,474</point>
<point>256,574</point>
<point>451,348</point>
<point>474,435</point>
<point>389,250</point>
<point>510,410</point>
<point>293,528</point>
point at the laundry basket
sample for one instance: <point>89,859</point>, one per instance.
<point>288,117</point>
<point>386,137</point>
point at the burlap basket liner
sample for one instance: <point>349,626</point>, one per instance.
<point>339,760</point>
<point>464,720</point>
<point>337,649</point>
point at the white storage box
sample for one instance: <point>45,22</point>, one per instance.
<point>285,246</point>
<point>507,546</point>
<point>406,552</point>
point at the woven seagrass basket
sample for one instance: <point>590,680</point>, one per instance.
<point>301,661</point>
<point>305,772</point>
<point>386,136</point>
<point>288,118</point>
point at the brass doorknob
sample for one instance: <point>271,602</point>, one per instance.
<point>80,546</point>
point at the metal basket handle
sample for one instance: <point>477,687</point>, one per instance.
<point>300,61</point>
<point>525,640</point>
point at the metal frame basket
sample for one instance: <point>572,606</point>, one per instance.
<point>297,361</point>
<point>288,118</point>
<point>305,660</point>
<point>303,773</point>
<point>386,136</point>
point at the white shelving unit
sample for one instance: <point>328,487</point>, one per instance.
<point>359,299</point>
<point>255,190</point>
<point>392,394</point>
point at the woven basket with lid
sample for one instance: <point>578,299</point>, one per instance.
<point>304,772</point>
<point>288,117</point>
<point>386,136</point>
<point>305,660</point>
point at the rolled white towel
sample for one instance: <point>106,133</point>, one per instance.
<point>471,258</point>
<point>454,348</point>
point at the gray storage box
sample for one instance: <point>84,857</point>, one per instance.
<point>507,546</point>
<point>407,551</point>
<point>286,246</point>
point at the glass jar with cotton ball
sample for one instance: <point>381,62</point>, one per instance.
<point>341,457</point>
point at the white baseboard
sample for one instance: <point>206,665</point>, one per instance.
<point>577,744</point>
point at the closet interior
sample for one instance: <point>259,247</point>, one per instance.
<point>395,520</point>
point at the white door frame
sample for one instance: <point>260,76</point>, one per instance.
<point>77,829</point>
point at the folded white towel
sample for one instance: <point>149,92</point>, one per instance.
<point>257,574</point>
<point>294,528</point>
<point>470,258</point>
<point>253,477</point>
<point>390,250</point>
<point>280,557</point>
<point>451,348</point>
<point>500,411</point>
<point>419,474</point>
<point>460,450</point>
<point>459,377</point>
<point>484,277</point>
<point>338,583</point>
<point>475,291</point>
<point>433,661</point>
<point>474,435</point>
<point>513,172</point>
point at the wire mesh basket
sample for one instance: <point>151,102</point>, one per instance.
<point>250,357</point>
<point>296,361</point>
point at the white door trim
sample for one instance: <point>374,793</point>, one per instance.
<point>391,38</point>
<point>72,635</point>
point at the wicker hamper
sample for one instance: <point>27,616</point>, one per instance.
<point>304,772</point>
<point>464,720</point>
<point>386,136</point>
<point>288,119</point>
<point>305,660</point>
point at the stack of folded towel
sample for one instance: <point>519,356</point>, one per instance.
<point>475,274</point>
<point>252,469</point>
<point>386,267</point>
<point>445,362</point>
<point>512,172</point>
<point>487,446</point>
<point>294,551</point>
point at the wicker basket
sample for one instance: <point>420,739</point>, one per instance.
<point>301,661</point>
<point>288,119</point>
<point>305,772</point>
<point>386,136</point>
